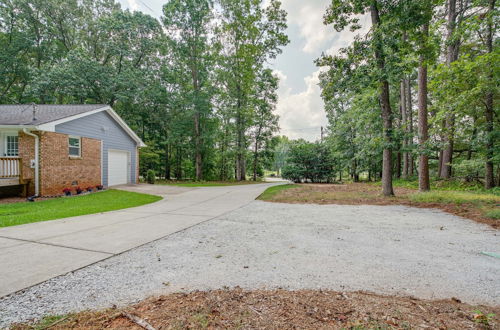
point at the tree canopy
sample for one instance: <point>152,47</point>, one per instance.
<point>194,85</point>
<point>420,85</point>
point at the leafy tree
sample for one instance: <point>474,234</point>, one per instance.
<point>250,34</point>
<point>441,51</point>
<point>188,26</point>
<point>266,122</point>
<point>378,63</point>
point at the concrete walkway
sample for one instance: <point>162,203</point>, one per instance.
<point>36,252</point>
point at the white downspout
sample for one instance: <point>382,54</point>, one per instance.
<point>37,167</point>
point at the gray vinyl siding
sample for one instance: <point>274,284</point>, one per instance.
<point>103,127</point>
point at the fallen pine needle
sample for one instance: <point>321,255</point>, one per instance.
<point>137,320</point>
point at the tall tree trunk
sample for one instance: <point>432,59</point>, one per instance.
<point>255,161</point>
<point>197,141</point>
<point>440,159</point>
<point>451,56</point>
<point>355,176</point>
<point>385,104</point>
<point>197,125</point>
<point>404,119</point>
<point>398,165</point>
<point>409,108</point>
<point>256,153</point>
<point>399,155</point>
<point>498,177</point>
<point>224,173</point>
<point>240,143</point>
<point>423,134</point>
<point>167,161</point>
<point>490,143</point>
<point>178,169</point>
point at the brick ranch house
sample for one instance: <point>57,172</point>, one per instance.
<point>46,148</point>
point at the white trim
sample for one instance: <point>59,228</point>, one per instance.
<point>136,169</point>
<point>37,161</point>
<point>17,127</point>
<point>102,162</point>
<point>6,143</point>
<point>3,139</point>
<point>79,138</point>
<point>51,126</point>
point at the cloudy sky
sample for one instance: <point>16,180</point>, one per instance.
<point>300,106</point>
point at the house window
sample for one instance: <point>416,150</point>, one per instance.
<point>12,146</point>
<point>75,146</point>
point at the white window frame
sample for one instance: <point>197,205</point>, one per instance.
<point>6,137</point>
<point>79,138</point>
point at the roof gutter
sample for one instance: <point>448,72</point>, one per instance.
<point>18,126</point>
<point>37,165</point>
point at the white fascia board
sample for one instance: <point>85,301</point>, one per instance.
<point>17,127</point>
<point>51,126</point>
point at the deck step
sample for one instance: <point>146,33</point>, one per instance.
<point>9,182</point>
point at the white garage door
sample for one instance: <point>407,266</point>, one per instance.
<point>118,169</point>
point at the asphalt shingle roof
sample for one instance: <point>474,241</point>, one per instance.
<point>22,114</point>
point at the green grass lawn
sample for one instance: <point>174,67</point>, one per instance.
<point>274,190</point>
<point>206,183</point>
<point>488,203</point>
<point>63,207</point>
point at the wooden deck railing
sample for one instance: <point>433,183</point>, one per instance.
<point>10,167</point>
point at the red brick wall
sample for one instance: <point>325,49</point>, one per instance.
<point>58,170</point>
<point>27,153</point>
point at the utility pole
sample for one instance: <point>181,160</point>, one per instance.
<point>321,133</point>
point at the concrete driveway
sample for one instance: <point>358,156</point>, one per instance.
<point>36,252</point>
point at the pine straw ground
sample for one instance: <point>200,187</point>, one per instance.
<point>454,202</point>
<point>280,309</point>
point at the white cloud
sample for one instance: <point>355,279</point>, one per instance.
<point>132,4</point>
<point>301,114</point>
<point>309,18</point>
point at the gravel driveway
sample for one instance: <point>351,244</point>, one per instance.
<point>384,249</point>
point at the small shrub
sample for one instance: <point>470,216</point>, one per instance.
<point>151,177</point>
<point>469,169</point>
<point>89,189</point>
<point>78,190</point>
<point>292,173</point>
<point>99,187</point>
<point>67,191</point>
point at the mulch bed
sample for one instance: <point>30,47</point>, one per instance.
<point>367,194</point>
<point>281,309</point>
<point>10,200</point>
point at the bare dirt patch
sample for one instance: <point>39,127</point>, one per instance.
<point>369,194</point>
<point>280,309</point>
